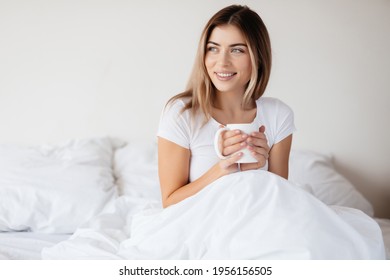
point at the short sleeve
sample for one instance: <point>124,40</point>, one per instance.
<point>285,122</point>
<point>174,124</point>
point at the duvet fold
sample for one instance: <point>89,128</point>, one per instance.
<point>245,215</point>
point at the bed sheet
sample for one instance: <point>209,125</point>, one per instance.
<point>26,245</point>
<point>384,224</point>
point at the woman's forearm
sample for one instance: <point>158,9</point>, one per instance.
<point>194,187</point>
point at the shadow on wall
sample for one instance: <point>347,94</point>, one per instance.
<point>378,195</point>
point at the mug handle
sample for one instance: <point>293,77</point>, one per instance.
<point>216,140</point>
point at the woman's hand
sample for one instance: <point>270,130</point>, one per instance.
<point>257,144</point>
<point>232,141</point>
<point>229,165</point>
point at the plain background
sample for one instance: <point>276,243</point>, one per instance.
<point>86,68</point>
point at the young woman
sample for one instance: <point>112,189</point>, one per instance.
<point>230,75</point>
<point>218,209</point>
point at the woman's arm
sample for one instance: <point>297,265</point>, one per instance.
<point>279,156</point>
<point>174,168</point>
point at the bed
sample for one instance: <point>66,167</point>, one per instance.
<point>50,192</point>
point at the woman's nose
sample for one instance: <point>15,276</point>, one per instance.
<point>223,59</point>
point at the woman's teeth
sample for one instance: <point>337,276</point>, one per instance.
<point>224,75</point>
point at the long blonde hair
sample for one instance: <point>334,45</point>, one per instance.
<point>200,90</point>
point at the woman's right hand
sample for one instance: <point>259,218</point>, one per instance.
<point>230,143</point>
<point>229,164</point>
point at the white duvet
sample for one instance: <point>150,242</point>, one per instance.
<point>246,215</point>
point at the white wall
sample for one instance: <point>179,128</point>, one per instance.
<point>75,69</point>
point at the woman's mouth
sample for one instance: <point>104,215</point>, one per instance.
<point>224,76</point>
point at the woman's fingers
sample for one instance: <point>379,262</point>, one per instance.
<point>233,137</point>
<point>229,150</point>
<point>230,164</point>
<point>232,142</point>
<point>262,129</point>
<point>257,144</point>
<point>258,152</point>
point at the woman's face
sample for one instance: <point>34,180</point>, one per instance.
<point>227,59</point>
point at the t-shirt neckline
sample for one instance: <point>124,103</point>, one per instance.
<point>254,119</point>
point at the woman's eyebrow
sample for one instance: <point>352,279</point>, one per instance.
<point>232,45</point>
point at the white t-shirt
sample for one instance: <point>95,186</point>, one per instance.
<point>188,132</point>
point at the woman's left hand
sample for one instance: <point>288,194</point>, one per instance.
<point>258,145</point>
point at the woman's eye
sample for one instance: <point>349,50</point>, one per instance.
<point>212,49</point>
<point>235,50</point>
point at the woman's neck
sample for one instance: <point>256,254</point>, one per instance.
<point>231,102</point>
<point>228,109</point>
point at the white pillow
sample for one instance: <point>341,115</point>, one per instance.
<point>316,170</point>
<point>136,171</point>
<point>55,188</point>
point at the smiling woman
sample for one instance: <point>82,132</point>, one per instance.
<point>231,72</point>
<point>227,61</point>
<point>230,75</point>
<point>73,71</point>
<point>217,207</point>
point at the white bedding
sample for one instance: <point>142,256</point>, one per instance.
<point>384,224</point>
<point>55,188</point>
<point>246,215</point>
<point>26,245</point>
<point>131,171</point>
<point>29,245</point>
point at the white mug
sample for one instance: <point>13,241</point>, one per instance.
<point>246,128</point>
